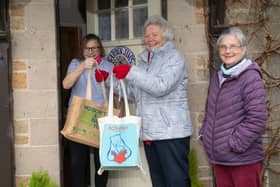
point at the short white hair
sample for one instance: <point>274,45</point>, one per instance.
<point>166,29</point>
<point>235,31</point>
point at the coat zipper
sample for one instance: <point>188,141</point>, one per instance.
<point>215,112</point>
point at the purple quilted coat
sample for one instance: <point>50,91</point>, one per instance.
<point>235,118</point>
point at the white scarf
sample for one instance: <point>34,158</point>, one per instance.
<point>232,69</point>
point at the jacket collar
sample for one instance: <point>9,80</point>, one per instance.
<point>249,65</point>
<point>166,47</point>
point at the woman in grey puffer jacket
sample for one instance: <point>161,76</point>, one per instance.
<point>235,115</point>
<point>159,87</point>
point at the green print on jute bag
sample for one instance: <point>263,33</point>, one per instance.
<point>81,124</point>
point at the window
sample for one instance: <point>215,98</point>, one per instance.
<point>217,16</point>
<point>3,17</point>
<point>120,20</point>
<point>216,26</point>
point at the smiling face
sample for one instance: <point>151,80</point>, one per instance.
<point>92,49</point>
<point>230,51</point>
<point>153,37</point>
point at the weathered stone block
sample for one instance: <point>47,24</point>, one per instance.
<point>21,139</point>
<point>199,17</point>
<point>197,96</point>
<point>274,29</point>
<point>196,123</point>
<point>19,80</point>
<point>191,40</point>
<point>184,10</point>
<point>198,120</point>
<point>207,182</point>
<point>21,180</point>
<point>202,158</point>
<point>50,129</point>
<point>19,65</point>
<point>21,126</point>
<point>202,74</point>
<point>41,17</point>
<point>198,70</point>
<point>200,117</point>
<point>17,10</point>
<point>199,4</point>
<point>205,171</point>
<point>17,23</point>
<point>29,159</point>
<point>273,177</point>
<point>35,104</point>
<point>41,45</point>
<point>46,70</point>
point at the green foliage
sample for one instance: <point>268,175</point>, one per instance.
<point>193,169</point>
<point>40,179</point>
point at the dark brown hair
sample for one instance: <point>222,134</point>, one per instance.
<point>84,42</point>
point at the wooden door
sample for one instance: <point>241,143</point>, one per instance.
<point>69,46</point>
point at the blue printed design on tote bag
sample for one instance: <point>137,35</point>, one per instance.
<point>119,145</point>
<point>119,151</point>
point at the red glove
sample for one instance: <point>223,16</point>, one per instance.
<point>98,59</point>
<point>121,71</point>
<point>101,75</point>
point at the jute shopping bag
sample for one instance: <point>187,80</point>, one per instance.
<point>81,123</point>
<point>119,138</point>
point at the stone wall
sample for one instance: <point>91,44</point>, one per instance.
<point>187,19</point>
<point>34,80</point>
<point>261,23</point>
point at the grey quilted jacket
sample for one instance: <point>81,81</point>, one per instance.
<point>159,88</point>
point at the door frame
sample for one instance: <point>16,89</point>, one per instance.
<point>7,159</point>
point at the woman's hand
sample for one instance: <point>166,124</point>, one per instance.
<point>89,63</point>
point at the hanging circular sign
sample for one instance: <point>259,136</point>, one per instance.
<point>121,55</point>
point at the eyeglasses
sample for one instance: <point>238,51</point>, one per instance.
<point>91,48</point>
<point>231,47</point>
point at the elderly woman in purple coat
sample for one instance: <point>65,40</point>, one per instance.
<point>235,115</point>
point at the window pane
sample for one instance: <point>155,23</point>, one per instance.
<point>104,26</point>
<point>137,2</point>
<point>121,3</point>
<point>104,4</point>
<point>139,17</point>
<point>122,24</point>
<point>2,17</point>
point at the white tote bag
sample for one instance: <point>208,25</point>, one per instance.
<point>119,138</point>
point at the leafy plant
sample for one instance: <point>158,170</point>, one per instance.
<point>40,179</point>
<point>193,169</point>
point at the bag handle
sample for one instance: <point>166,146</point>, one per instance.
<point>111,95</point>
<point>88,91</point>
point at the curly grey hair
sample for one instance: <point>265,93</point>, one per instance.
<point>166,29</point>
